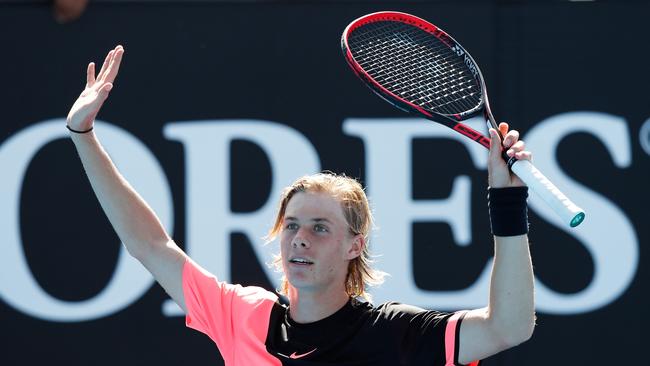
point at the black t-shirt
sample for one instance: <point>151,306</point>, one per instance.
<point>251,328</point>
<point>360,334</point>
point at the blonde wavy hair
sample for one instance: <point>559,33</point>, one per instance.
<point>358,216</point>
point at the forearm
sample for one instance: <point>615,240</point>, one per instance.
<point>509,318</point>
<point>134,221</point>
<point>511,303</point>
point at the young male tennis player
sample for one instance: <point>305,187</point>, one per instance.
<point>323,224</point>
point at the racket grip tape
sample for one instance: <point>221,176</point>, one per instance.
<point>568,211</point>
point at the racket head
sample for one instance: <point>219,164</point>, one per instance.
<point>417,67</point>
<point>395,55</point>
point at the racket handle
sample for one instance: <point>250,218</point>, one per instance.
<point>547,191</point>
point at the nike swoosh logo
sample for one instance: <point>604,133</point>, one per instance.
<point>295,355</point>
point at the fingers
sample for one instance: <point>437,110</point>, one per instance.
<point>511,138</point>
<point>511,143</point>
<point>113,65</point>
<point>503,128</point>
<point>90,75</point>
<point>107,60</point>
<point>515,148</point>
<point>524,155</point>
<point>518,150</point>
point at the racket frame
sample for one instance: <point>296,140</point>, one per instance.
<point>569,213</point>
<point>452,121</point>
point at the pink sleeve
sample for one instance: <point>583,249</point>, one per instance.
<point>227,313</point>
<point>452,334</point>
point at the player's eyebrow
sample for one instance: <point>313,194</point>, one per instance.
<point>322,219</point>
<point>317,219</point>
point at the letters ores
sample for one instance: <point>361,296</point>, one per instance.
<point>210,221</point>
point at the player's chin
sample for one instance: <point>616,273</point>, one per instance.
<point>297,270</point>
<point>300,274</point>
<point>300,282</point>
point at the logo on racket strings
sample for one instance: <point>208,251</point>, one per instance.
<point>468,60</point>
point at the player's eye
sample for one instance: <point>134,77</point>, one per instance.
<point>320,228</point>
<point>291,226</point>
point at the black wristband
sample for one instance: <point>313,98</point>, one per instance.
<point>508,210</point>
<point>77,131</point>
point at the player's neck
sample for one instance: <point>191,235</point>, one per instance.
<point>311,306</point>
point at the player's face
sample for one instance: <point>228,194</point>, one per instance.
<point>316,243</point>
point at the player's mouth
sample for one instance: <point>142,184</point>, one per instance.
<point>300,261</point>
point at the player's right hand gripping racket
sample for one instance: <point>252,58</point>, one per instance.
<point>417,67</point>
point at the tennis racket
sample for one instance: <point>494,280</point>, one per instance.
<point>419,68</point>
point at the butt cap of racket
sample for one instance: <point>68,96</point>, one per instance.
<point>577,219</point>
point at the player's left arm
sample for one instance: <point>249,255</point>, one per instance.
<point>509,318</point>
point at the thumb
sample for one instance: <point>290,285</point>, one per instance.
<point>495,144</point>
<point>106,88</point>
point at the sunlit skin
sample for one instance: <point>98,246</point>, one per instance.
<point>315,229</point>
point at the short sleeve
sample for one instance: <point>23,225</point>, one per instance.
<point>452,336</point>
<point>227,313</point>
<point>429,337</point>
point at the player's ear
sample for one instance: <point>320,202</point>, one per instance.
<point>356,247</point>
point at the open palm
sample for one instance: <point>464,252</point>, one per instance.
<point>83,112</point>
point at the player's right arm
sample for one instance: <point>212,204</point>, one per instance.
<point>134,221</point>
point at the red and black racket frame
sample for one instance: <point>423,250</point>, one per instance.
<point>569,213</point>
<point>453,121</point>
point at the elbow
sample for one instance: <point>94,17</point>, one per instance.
<point>518,337</point>
<point>512,328</point>
<point>143,249</point>
<point>136,252</point>
<point>516,334</point>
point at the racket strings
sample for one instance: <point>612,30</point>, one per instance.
<point>416,66</point>
<point>436,79</point>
